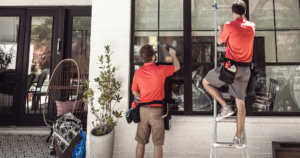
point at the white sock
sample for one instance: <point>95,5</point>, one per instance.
<point>226,107</point>
<point>235,137</point>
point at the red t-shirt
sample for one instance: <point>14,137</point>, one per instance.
<point>149,80</point>
<point>239,35</point>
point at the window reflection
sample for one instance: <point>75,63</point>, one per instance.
<point>287,14</point>
<point>174,39</point>
<point>261,13</point>
<point>288,46</point>
<point>9,30</point>
<point>278,89</point>
<point>141,39</point>
<point>203,15</point>
<point>146,14</point>
<point>39,63</point>
<point>81,35</point>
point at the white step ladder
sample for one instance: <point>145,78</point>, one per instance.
<point>215,144</point>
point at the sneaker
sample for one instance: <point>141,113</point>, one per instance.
<point>239,143</point>
<point>224,113</point>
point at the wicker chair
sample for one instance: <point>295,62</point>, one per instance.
<point>66,84</point>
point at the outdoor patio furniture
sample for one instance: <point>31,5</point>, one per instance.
<point>36,101</point>
<point>272,93</point>
<point>30,79</point>
<point>66,84</point>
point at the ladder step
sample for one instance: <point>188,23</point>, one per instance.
<point>228,120</point>
<point>223,6</point>
<point>221,49</point>
<point>226,145</point>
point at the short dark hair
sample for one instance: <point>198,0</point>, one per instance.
<point>239,7</point>
<point>146,53</point>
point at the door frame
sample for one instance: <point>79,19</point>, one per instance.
<point>14,117</point>
<point>37,119</point>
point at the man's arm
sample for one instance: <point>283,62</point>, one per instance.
<point>137,94</point>
<point>174,59</point>
<point>220,27</point>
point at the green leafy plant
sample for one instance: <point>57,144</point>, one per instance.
<point>109,88</point>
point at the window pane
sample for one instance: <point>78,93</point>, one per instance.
<point>202,101</point>
<point>9,30</point>
<point>203,47</point>
<point>261,13</point>
<point>81,35</point>
<point>141,39</point>
<point>171,15</point>
<point>203,15</point>
<point>174,89</point>
<point>39,59</point>
<point>287,14</point>
<point>278,89</point>
<point>288,46</point>
<point>264,46</point>
<point>174,39</point>
<point>146,14</point>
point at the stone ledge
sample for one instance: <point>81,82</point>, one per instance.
<point>249,119</point>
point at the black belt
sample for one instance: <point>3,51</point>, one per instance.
<point>240,64</point>
<point>153,102</point>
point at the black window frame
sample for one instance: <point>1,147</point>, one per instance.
<point>187,30</point>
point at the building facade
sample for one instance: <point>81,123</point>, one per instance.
<point>126,25</point>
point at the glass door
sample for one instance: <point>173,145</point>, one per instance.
<point>11,43</point>
<point>41,45</point>
<point>78,33</point>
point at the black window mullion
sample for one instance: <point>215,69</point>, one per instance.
<point>275,31</point>
<point>187,33</point>
<point>131,65</point>
<point>158,29</point>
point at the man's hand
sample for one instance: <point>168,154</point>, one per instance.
<point>172,53</point>
<point>220,27</point>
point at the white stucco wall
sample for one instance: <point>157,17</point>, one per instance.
<point>190,135</point>
<point>111,26</point>
<point>44,2</point>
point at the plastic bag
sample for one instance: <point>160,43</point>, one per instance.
<point>79,151</point>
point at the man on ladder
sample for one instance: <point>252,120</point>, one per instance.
<point>239,36</point>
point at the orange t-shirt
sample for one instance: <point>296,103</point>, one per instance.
<point>239,35</point>
<point>149,80</point>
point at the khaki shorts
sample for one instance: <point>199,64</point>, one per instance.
<point>239,86</point>
<point>151,121</point>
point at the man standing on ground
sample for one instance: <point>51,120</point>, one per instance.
<point>239,35</point>
<point>148,85</point>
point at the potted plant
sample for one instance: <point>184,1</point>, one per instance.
<point>5,57</point>
<point>102,135</point>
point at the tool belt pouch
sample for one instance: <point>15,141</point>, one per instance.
<point>166,116</point>
<point>135,115</point>
<point>226,75</point>
<point>129,118</point>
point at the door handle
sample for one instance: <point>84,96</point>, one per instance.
<point>58,46</point>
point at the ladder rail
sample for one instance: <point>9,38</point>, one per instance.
<point>215,144</point>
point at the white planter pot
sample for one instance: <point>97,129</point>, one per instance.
<point>102,146</point>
